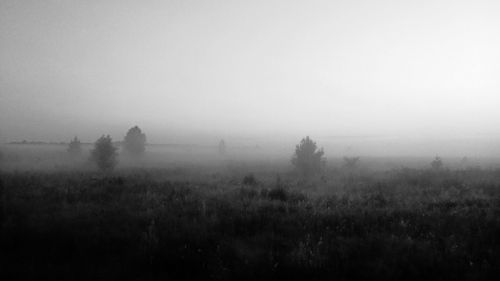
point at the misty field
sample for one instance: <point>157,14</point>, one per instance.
<point>249,222</point>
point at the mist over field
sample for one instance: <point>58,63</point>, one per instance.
<point>249,140</point>
<point>399,78</point>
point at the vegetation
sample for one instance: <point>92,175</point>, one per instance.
<point>140,225</point>
<point>75,147</point>
<point>104,153</point>
<point>135,142</point>
<point>437,163</point>
<point>351,162</point>
<point>250,180</point>
<point>308,160</point>
<point>221,222</point>
<point>222,147</point>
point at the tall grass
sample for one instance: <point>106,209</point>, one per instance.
<point>139,225</point>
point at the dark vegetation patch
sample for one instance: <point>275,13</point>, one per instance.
<point>403,225</point>
<point>250,180</point>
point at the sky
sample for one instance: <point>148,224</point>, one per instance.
<point>195,71</point>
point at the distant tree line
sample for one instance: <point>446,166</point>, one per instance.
<point>105,153</point>
<point>36,142</point>
<point>308,159</point>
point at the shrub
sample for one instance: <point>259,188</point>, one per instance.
<point>437,163</point>
<point>104,153</point>
<point>278,193</point>
<point>249,180</point>
<point>351,162</point>
<point>135,141</point>
<point>222,147</point>
<point>308,160</point>
<point>75,147</point>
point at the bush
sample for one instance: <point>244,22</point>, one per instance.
<point>222,147</point>
<point>75,147</point>
<point>135,141</point>
<point>278,193</point>
<point>308,160</point>
<point>351,162</point>
<point>249,180</point>
<point>104,153</point>
<point>437,163</point>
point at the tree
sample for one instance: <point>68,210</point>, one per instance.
<point>437,163</point>
<point>104,153</point>
<point>222,147</point>
<point>308,160</point>
<point>135,141</point>
<point>464,162</point>
<point>75,147</point>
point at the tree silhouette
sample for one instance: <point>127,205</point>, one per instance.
<point>104,153</point>
<point>308,160</point>
<point>222,147</point>
<point>75,147</point>
<point>135,141</point>
<point>437,163</point>
<point>464,162</point>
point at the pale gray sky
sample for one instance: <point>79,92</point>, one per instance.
<point>249,68</point>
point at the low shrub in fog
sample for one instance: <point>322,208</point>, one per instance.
<point>250,180</point>
<point>75,147</point>
<point>437,164</point>
<point>308,159</point>
<point>351,162</point>
<point>222,147</point>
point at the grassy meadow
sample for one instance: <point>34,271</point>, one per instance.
<point>200,216</point>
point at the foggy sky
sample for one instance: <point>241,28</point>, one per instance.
<point>251,69</point>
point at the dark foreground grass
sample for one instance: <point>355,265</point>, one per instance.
<point>405,225</point>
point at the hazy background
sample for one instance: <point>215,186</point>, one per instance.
<point>359,77</point>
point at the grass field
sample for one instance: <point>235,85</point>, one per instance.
<point>238,221</point>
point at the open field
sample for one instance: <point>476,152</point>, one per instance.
<point>244,219</point>
<point>242,140</point>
